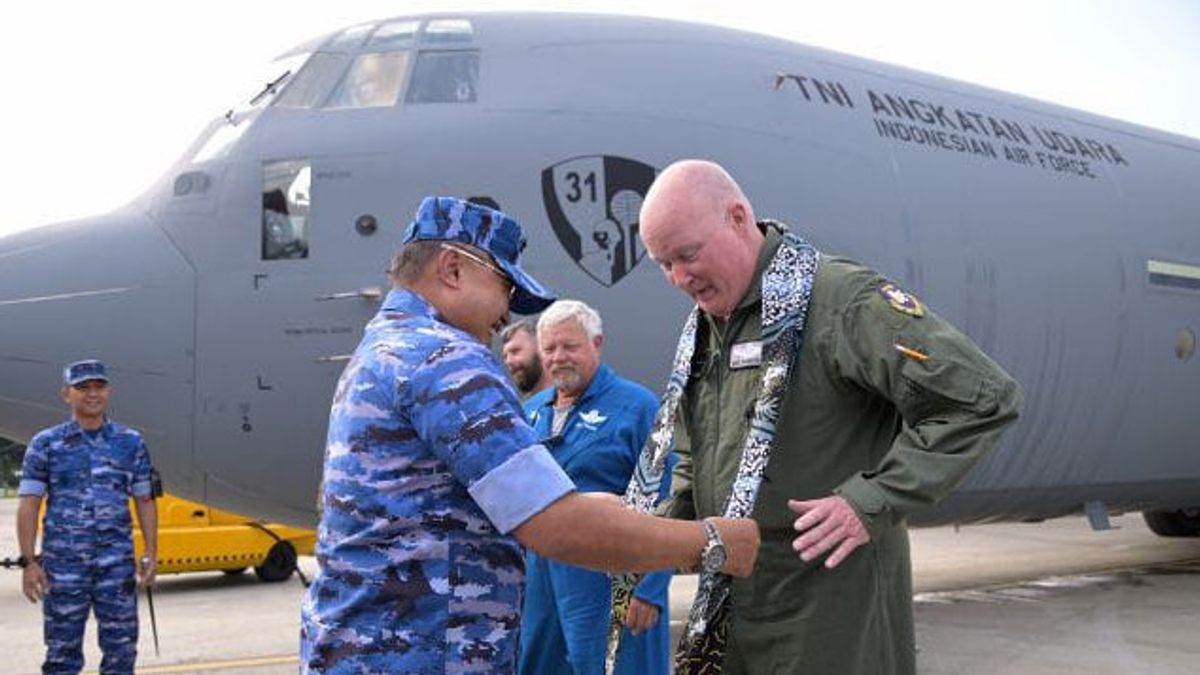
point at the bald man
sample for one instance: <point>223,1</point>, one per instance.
<point>881,409</point>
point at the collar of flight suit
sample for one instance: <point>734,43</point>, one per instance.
<point>773,237</point>
<point>565,452</point>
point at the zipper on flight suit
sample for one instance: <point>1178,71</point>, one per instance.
<point>717,365</point>
<point>723,346</point>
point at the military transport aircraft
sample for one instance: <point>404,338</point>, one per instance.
<point>227,298</point>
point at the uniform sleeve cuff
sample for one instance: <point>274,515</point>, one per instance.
<point>866,499</point>
<point>31,488</point>
<point>520,488</point>
<point>653,589</point>
<point>141,489</point>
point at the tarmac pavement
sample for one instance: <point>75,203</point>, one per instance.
<point>1034,599</point>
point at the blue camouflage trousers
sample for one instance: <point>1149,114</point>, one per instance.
<point>109,588</point>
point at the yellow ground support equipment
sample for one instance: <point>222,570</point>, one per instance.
<point>193,537</point>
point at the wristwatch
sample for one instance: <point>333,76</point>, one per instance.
<point>712,557</point>
<point>23,562</point>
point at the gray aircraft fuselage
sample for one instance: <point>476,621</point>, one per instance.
<point>226,298</point>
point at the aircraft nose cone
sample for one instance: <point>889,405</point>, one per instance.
<point>113,288</point>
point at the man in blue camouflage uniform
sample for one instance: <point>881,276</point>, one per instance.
<point>86,468</point>
<point>432,479</point>
<point>417,573</point>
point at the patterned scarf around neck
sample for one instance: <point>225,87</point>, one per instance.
<point>786,290</point>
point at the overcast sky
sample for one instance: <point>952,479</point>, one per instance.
<point>101,97</point>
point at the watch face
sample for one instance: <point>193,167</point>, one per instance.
<point>712,559</point>
<point>716,558</point>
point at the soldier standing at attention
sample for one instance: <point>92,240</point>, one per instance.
<point>824,401</point>
<point>433,480</point>
<point>86,469</point>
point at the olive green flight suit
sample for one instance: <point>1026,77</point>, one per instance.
<point>891,433</point>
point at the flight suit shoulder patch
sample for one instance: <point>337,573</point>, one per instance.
<point>902,301</point>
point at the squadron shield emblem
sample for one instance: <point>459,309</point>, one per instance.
<point>902,301</point>
<point>593,203</point>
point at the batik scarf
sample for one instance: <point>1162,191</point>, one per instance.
<point>786,290</point>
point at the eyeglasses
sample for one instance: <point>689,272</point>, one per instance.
<point>512,286</point>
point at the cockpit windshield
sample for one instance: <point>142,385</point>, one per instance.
<point>349,39</point>
<point>446,33</point>
<point>311,85</point>
<point>445,77</point>
<point>375,66</point>
<point>372,81</point>
<point>394,35</point>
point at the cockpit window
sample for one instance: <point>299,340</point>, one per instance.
<point>366,66</point>
<point>448,33</point>
<point>285,197</point>
<point>393,35</point>
<point>312,84</point>
<point>373,81</point>
<point>444,77</point>
<point>349,39</point>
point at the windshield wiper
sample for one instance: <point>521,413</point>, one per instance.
<point>271,88</point>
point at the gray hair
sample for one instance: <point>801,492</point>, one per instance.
<point>524,325</point>
<point>565,310</point>
<point>410,261</point>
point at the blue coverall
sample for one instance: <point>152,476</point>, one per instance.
<point>564,628</point>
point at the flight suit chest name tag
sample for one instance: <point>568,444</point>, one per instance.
<point>745,355</point>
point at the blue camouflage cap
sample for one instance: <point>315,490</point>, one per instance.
<point>453,219</point>
<point>82,371</point>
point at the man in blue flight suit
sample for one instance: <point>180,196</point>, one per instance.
<point>433,480</point>
<point>595,424</point>
<point>86,469</point>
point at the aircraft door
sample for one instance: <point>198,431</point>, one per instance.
<point>274,334</point>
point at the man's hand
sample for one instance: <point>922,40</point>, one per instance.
<point>827,524</point>
<point>34,582</point>
<point>740,537</point>
<point>147,569</point>
<point>642,616</point>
